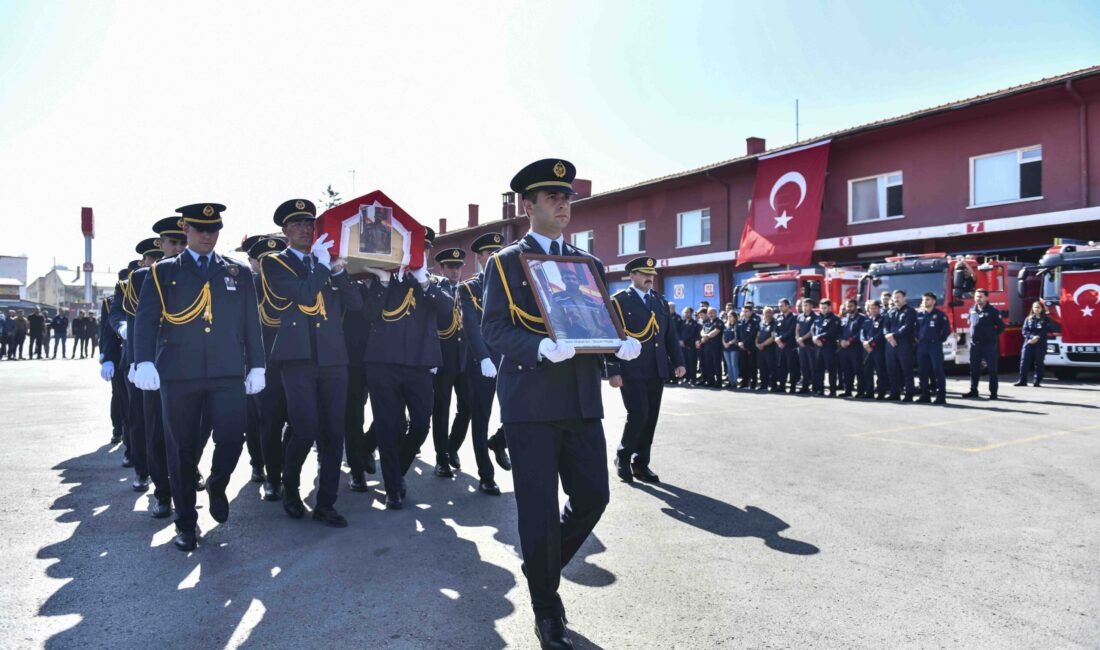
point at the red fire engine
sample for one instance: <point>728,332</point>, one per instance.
<point>767,288</point>
<point>1069,279</point>
<point>954,279</point>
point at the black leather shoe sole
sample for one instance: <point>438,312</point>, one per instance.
<point>394,502</point>
<point>140,486</point>
<point>160,510</point>
<point>219,506</point>
<point>185,541</point>
<point>294,509</point>
<point>489,488</point>
<point>455,462</point>
<point>357,486</point>
<point>444,471</point>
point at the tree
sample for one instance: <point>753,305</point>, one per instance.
<point>330,199</point>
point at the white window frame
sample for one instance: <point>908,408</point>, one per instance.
<point>1019,161</point>
<point>881,198</point>
<point>621,225</point>
<point>679,228</point>
<point>591,239</point>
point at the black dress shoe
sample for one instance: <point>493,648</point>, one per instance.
<point>907,399</point>
<point>552,634</point>
<point>643,473</point>
<point>369,464</point>
<point>924,400</point>
<point>292,504</point>
<point>219,505</point>
<point>803,391</point>
<point>126,462</point>
<point>116,438</point>
<point>993,396</point>
<point>1020,383</point>
<point>973,394</point>
<point>186,540</point>
<point>328,516</point>
<point>622,468</point>
<point>394,502</point>
<point>140,484</point>
<point>443,470</point>
<point>258,476</point>
<point>272,491</point>
<point>200,482</point>
<point>881,398</point>
<point>940,401</point>
<point>1037,384</point>
<point>489,487</point>
<point>161,509</point>
<point>846,393</point>
<point>500,452</point>
<point>455,462</point>
<point>357,482</point>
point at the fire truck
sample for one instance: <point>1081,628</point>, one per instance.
<point>767,288</point>
<point>1068,279</point>
<point>954,278</point>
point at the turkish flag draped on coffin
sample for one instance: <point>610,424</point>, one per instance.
<point>786,206</point>
<point>372,230</point>
<point>1079,306</point>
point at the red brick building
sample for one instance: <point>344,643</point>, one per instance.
<point>1001,173</point>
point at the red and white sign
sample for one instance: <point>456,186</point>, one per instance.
<point>975,227</point>
<point>845,241</point>
<point>678,291</point>
<point>87,222</point>
<point>88,267</point>
<point>1080,306</point>
<point>786,207</point>
<point>708,289</point>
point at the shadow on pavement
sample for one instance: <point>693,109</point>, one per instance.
<point>722,519</point>
<point>391,579</point>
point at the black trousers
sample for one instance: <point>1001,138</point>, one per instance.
<point>991,354</point>
<point>183,403</point>
<point>83,340</point>
<point>355,439</point>
<point>63,340</point>
<point>395,390</point>
<point>807,360</point>
<point>789,373</point>
<point>316,399</point>
<point>746,365</point>
<point>17,346</point>
<point>156,450</point>
<point>542,453</point>
<point>443,431</point>
<point>931,372</point>
<point>120,405</point>
<point>899,362</point>
<point>253,434</point>
<point>874,363</point>
<point>36,345</point>
<point>273,421</point>
<point>481,391</point>
<point>135,420</point>
<point>642,399</point>
<point>768,361</point>
<point>825,363</point>
<point>851,364</point>
<point>691,362</point>
<point>712,362</point>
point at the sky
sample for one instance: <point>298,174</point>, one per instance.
<point>134,108</point>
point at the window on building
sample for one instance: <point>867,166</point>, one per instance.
<point>632,238</point>
<point>875,198</point>
<point>583,240</point>
<point>1006,176</point>
<point>693,228</point>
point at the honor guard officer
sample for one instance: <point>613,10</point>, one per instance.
<point>481,371</point>
<point>986,326</point>
<point>450,377</point>
<point>873,339</point>
<point>825,330</point>
<point>901,326</point>
<point>402,349</point>
<point>786,323</point>
<point>198,327</point>
<point>932,330</point>
<point>111,368</point>
<point>309,290</point>
<point>645,317</point>
<point>550,401</point>
<point>851,352</point>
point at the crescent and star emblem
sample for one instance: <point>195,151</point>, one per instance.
<point>790,177</point>
<point>1085,309</point>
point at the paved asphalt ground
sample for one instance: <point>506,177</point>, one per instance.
<point>783,522</point>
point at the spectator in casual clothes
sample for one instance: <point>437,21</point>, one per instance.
<point>60,325</point>
<point>36,327</point>
<point>19,336</point>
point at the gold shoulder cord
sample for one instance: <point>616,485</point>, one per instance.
<point>265,318</point>
<point>270,296</point>
<point>129,303</point>
<point>201,305</point>
<point>525,319</point>
<point>404,309</point>
<point>649,331</point>
<point>473,298</point>
<point>456,323</point>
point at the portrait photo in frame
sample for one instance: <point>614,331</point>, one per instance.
<point>574,302</point>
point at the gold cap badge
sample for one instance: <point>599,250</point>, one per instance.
<point>650,262</point>
<point>455,253</point>
<point>301,205</point>
<point>271,243</point>
<point>559,169</point>
<point>496,238</point>
<point>208,211</point>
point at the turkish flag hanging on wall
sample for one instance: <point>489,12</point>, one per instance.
<point>1079,306</point>
<point>786,206</point>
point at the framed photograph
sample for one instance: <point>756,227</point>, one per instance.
<point>574,302</point>
<point>375,229</point>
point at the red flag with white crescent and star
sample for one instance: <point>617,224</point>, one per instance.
<point>786,206</point>
<point>1079,307</point>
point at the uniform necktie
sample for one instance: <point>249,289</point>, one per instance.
<point>204,264</point>
<point>308,259</point>
<point>649,302</point>
<point>555,248</point>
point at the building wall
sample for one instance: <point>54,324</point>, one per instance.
<point>15,267</point>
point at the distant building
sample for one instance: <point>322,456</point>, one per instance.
<point>13,277</point>
<point>64,289</point>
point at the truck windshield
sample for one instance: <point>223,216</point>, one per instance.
<point>763,294</point>
<point>914,285</point>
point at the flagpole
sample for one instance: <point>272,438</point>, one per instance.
<point>796,125</point>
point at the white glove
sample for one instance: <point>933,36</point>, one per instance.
<point>107,370</point>
<point>122,330</point>
<point>488,369</point>
<point>146,376</point>
<point>255,381</point>
<point>556,352</point>
<point>382,274</point>
<point>630,349</point>
<point>320,251</point>
<point>130,374</point>
<point>421,274</point>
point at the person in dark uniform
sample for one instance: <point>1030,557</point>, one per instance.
<point>550,401</point>
<point>710,348</point>
<point>767,356</point>
<point>359,445</point>
<point>60,326</point>
<point>1036,330</point>
<point>803,337</point>
<point>645,317</point>
<point>450,377</point>
<point>786,322</point>
<point>932,330</point>
<point>310,291</point>
<point>110,356</point>
<point>851,352</point>
<point>676,322</point>
<point>901,326</point>
<point>402,349</point>
<point>872,336</point>
<point>481,372</point>
<point>689,336</point>
<point>986,326</point>
<point>825,330</point>
<point>198,326</point>
<point>748,326</point>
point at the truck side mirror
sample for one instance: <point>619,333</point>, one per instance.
<point>1021,282</point>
